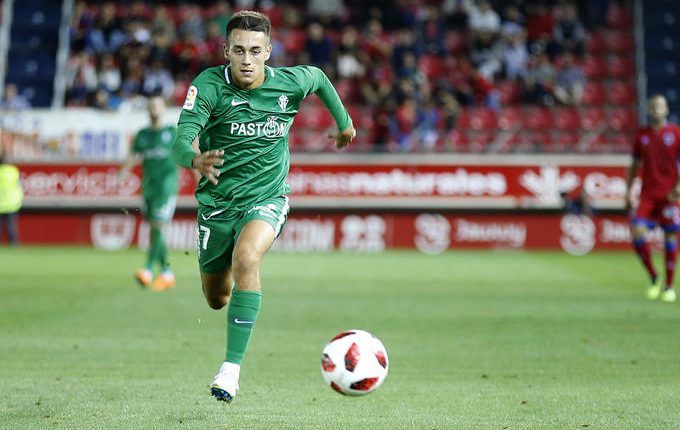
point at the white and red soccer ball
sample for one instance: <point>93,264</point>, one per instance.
<point>354,363</point>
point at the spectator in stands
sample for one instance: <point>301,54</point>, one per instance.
<point>427,119</point>
<point>484,91</point>
<point>163,27</point>
<point>325,11</point>
<point>192,22</point>
<point>222,16</point>
<point>318,47</point>
<point>108,74</point>
<point>569,32</point>
<point>456,12</point>
<point>540,80</point>
<point>403,125</point>
<point>430,31</point>
<point>158,80</point>
<point>540,27</point>
<point>11,197</point>
<point>348,64</point>
<point>376,43</point>
<point>405,41</point>
<point>515,56</point>
<point>484,22</point>
<point>570,82</point>
<point>12,100</point>
<point>513,22</point>
<point>81,78</point>
<point>107,35</point>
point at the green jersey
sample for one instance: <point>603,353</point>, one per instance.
<point>154,145</point>
<point>251,126</point>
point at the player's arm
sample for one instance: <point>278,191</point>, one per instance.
<point>130,161</point>
<point>195,114</point>
<point>632,172</point>
<point>322,87</point>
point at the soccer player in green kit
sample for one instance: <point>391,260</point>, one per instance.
<point>242,113</point>
<point>152,146</point>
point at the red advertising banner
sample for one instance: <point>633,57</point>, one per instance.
<point>442,182</point>
<point>429,232</point>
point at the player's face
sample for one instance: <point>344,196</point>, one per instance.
<point>156,107</point>
<point>658,109</point>
<point>247,51</point>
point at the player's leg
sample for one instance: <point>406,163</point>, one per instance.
<point>670,255</point>
<point>159,217</point>
<point>671,225</point>
<point>255,234</point>
<point>640,225</point>
<point>217,288</point>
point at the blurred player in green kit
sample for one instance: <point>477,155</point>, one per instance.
<point>152,146</point>
<point>242,113</point>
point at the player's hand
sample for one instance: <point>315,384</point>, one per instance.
<point>343,138</point>
<point>205,163</point>
<point>674,196</point>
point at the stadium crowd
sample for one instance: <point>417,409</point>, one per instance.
<point>406,68</point>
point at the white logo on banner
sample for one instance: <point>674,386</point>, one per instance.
<point>178,234</point>
<point>578,234</point>
<point>306,235</point>
<point>508,233</point>
<point>433,233</point>
<point>112,232</point>
<point>363,234</point>
<point>549,183</point>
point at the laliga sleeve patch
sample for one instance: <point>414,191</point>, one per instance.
<point>192,92</point>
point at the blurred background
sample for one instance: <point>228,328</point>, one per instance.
<point>489,124</point>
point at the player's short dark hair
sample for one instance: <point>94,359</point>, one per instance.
<point>251,21</point>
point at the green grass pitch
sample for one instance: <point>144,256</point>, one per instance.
<point>477,340</point>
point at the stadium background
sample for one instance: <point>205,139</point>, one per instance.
<point>456,148</point>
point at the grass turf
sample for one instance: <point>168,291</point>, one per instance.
<point>477,340</point>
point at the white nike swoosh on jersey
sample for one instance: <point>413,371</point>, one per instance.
<point>217,212</point>
<point>240,102</point>
<point>238,321</point>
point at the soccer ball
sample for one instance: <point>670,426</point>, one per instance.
<point>354,363</point>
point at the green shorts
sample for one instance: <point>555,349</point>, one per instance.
<point>159,208</point>
<point>218,230</point>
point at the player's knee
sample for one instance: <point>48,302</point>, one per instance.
<point>217,302</point>
<point>246,261</point>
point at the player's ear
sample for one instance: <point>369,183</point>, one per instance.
<point>269,52</point>
<point>225,49</point>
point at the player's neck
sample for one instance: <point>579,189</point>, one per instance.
<point>656,126</point>
<point>156,123</point>
<point>255,84</point>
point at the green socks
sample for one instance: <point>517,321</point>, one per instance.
<point>157,252</point>
<point>241,316</point>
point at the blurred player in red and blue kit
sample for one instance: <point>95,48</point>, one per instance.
<point>656,153</point>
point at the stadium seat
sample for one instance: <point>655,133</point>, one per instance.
<point>431,65</point>
<point>619,17</point>
<point>594,67</point>
<point>477,119</point>
<point>594,93</point>
<point>566,119</point>
<point>595,43</point>
<point>455,42</point>
<point>623,119</point>
<point>509,92</point>
<point>596,144</point>
<point>619,41</point>
<point>479,141</point>
<point>510,118</point>
<point>620,66</point>
<point>593,118</point>
<point>621,142</point>
<point>565,141</point>
<point>538,118</point>
<point>621,93</point>
<point>294,40</point>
